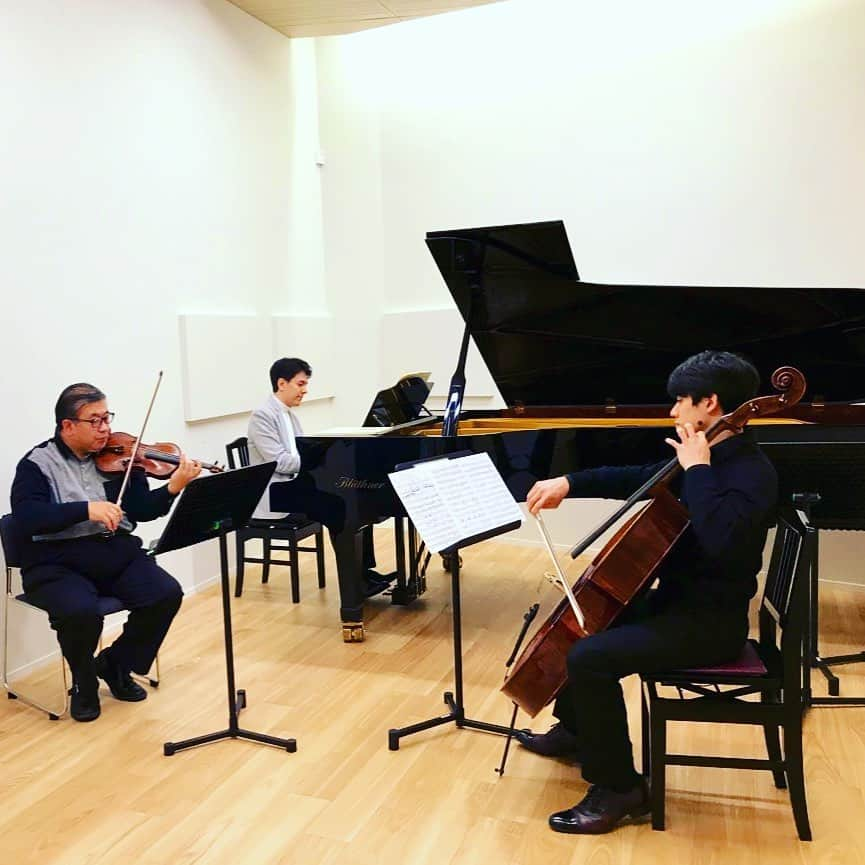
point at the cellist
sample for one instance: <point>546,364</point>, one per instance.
<point>697,615</point>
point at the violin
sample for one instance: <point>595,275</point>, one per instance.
<point>158,460</point>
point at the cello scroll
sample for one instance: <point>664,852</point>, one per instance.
<point>786,379</point>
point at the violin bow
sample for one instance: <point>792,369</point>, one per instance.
<point>137,440</point>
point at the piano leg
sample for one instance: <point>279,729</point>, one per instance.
<point>347,548</point>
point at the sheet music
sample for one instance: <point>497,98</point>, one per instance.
<point>450,500</point>
<point>353,431</point>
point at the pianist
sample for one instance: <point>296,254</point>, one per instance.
<point>697,616</point>
<point>273,428</point>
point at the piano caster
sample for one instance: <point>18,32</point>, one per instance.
<point>352,632</point>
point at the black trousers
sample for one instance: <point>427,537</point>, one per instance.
<point>651,637</point>
<point>70,577</point>
<point>367,538</point>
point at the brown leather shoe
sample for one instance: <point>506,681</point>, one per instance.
<point>556,742</point>
<point>602,810</point>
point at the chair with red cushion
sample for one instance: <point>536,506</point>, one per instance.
<point>770,666</point>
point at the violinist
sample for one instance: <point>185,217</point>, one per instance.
<point>77,544</point>
<point>697,615</point>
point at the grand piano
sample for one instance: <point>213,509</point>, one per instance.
<point>582,367</point>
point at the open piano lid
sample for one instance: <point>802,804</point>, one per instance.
<point>550,339</point>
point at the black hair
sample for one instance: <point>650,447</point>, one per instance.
<point>72,399</point>
<point>288,368</point>
<point>734,379</point>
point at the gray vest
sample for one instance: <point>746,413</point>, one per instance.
<point>72,480</point>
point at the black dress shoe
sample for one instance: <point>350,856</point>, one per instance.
<point>602,810</point>
<point>375,583</point>
<point>84,703</point>
<point>556,742</point>
<point>119,681</point>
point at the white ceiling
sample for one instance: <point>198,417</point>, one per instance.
<point>330,17</point>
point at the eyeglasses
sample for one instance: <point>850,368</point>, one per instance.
<point>95,422</point>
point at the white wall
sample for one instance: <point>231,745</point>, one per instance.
<point>680,141</point>
<point>146,172</point>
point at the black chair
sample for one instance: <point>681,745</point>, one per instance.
<point>771,667</point>
<point>809,503</point>
<point>293,529</point>
<point>18,600</point>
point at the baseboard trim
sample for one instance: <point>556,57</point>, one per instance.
<point>113,627</point>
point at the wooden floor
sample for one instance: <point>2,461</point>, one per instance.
<point>103,792</point>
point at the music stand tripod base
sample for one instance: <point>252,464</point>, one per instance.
<point>235,732</point>
<point>236,699</point>
<point>455,703</point>
<point>210,507</point>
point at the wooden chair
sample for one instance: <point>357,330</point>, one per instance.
<point>771,667</point>
<point>291,530</point>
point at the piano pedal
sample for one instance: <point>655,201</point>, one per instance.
<point>446,561</point>
<point>402,596</point>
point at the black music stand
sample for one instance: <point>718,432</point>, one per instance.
<point>453,699</point>
<point>211,507</point>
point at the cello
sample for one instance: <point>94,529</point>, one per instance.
<point>626,564</point>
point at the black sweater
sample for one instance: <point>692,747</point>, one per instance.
<point>731,504</point>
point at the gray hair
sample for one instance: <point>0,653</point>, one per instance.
<point>72,399</point>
